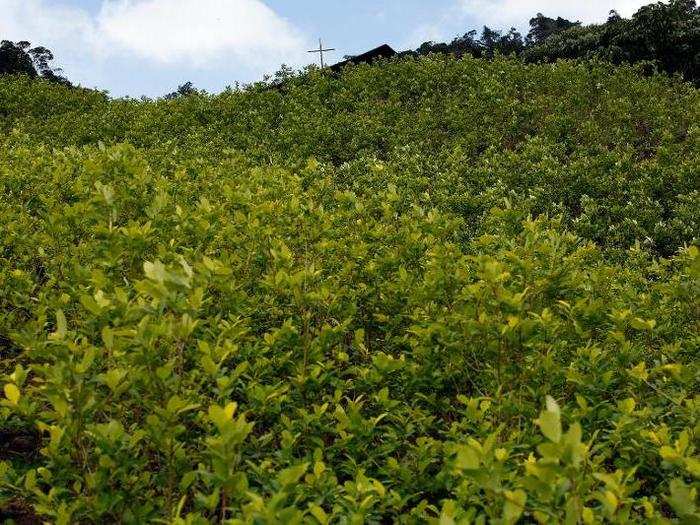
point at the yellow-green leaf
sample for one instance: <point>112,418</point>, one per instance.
<point>627,406</point>
<point>61,325</point>
<point>318,513</point>
<point>693,466</point>
<point>291,475</point>
<point>683,498</point>
<point>12,393</point>
<point>640,371</point>
<point>467,458</point>
<point>514,506</point>
<point>550,425</point>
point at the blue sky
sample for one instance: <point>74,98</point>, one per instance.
<point>149,47</point>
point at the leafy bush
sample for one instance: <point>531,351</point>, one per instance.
<point>428,291</point>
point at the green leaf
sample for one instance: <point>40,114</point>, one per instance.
<point>291,475</point>
<point>683,498</point>
<point>627,406</point>
<point>318,513</point>
<point>550,421</point>
<point>155,271</point>
<point>514,506</point>
<point>12,393</point>
<point>187,479</point>
<point>467,458</point>
<point>210,367</point>
<point>693,466</point>
<point>669,453</point>
<point>90,304</point>
<point>640,371</point>
<point>222,416</point>
<point>552,405</point>
<point>642,324</point>
<point>108,337</point>
<point>113,377</point>
<point>61,325</point>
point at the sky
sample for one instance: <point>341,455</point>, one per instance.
<point>149,47</point>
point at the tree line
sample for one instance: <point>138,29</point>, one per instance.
<point>35,62</point>
<point>666,35</point>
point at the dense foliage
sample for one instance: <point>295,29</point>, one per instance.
<point>21,58</point>
<point>667,34</point>
<point>664,34</point>
<point>435,290</point>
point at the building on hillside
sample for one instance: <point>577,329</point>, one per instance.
<point>378,53</point>
<point>383,51</point>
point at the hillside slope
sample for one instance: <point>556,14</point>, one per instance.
<point>430,290</point>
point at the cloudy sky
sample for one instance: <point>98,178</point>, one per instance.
<point>149,47</point>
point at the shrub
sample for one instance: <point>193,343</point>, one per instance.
<point>367,299</point>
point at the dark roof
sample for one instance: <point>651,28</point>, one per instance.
<point>383,51</point>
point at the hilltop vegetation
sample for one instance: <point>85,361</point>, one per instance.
<point>431,290</point>
<point>664,35</point>
<point>20,58</point>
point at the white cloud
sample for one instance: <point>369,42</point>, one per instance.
<point>185,35</point>
<point>427,32</point>
<point>198,31</point>
<point>517,13</point>
<point>42,23</point>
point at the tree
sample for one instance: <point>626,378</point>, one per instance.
<point>493,42</point>
<point>614,16</point>
<point>21,58</point>
<point>466,44</point>
<point>490,43</point>
<point>542,27</point>
<point>667,34</point>
<point>14,59</point>
<point>183,90</point>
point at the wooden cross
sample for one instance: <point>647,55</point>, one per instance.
<point>320,51</point>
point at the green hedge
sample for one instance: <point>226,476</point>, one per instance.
<point>428,291</point>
